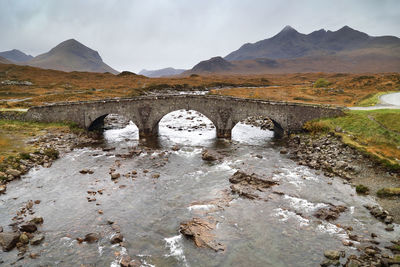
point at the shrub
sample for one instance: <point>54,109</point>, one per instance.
<point>316,127</point>
<point>362,189</point>
<point>25,156</point>
<point>321,82</point>
<point>388,192</point>
<point>52,153</point>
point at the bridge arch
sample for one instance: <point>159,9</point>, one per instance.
<point>147,111</point>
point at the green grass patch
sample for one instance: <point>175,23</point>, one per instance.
<point>371,99</point>
<point>375,132</point>
<point>362,189</point>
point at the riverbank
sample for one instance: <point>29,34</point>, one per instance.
<point>372,132</point>
<point>25,145</point>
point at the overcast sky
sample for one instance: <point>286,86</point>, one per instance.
<point>132,35</point>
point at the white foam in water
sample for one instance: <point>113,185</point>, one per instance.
<point>332,229</point>
<point>176,248</point>
<point>286,214</point>
<point>304,204</point>
<point>100,250</point>
<point>200,207</point>
<point>131,132</point>
<point>247,134</point>
<point>117,261</point>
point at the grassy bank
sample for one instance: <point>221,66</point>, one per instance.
<point>375,132</point>
<point>371,99</point>
<point>15,134</point>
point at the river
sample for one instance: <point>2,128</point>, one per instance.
<point>279,230</point>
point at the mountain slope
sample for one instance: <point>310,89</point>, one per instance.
<point>71,55</point>
<point>344,50</point>
<point>15,56</point>
<point>5,61</point>
<point>161,72</point>
<point>289,43</point>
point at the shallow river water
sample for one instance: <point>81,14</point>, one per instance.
<point>279,230</point>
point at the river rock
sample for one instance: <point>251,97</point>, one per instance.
<point>332,254</point>
<point>199,230</point>
<point>118,238</point>
<point>331,213</point>
<point>8,240</point>
<point>28,227</point>
<point>207,155</point>
<point>86,171</point>
<point>23,238</point>
<point>37,239</point>
<point>37,220</point>
<point>115,175</point>
<point>247,185</point>
<point>3,189</point>
<point>91,238</point>
<point>13,172</point>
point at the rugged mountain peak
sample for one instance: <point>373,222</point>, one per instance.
<point>15,55</point>
<point>72,55</point>
<point>213,64</point>
<point>288,28</point>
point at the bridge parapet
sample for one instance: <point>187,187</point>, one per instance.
<point>147,111</point>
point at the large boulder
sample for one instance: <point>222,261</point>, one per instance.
<point>8,240</point>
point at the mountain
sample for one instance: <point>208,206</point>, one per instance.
<point>15,56</point>
<point>161,72</point>
<point>5,61</point>
<point>344,50</point>
<point>289,43</point>
<point>215,64</point>
<point>71,55</point>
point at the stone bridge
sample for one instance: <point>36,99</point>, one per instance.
<point>147,111</point>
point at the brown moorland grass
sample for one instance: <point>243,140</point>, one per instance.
<point>55,86</point>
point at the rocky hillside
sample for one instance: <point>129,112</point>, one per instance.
<point>71,55</point>
<point>15,56</point>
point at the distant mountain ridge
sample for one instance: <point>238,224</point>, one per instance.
<point>289,43</point>
<point>71,55</point>
<point>344,50</point>
<point>161,72</point>
<point>15,56</point>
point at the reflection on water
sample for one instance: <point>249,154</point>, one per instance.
<point>277,231</point>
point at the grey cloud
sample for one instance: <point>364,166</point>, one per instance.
<point>131,35</point>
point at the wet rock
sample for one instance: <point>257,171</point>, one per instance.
<point>246,185</point>
<point>3,189</point>
<point>91,238</point>
<point>86,171</point>
<point>207,155</point>
<point>28,227</point>
<point>175,148</point>
<point>156,175</point>
<point>331,213</point>
<point>8,240</point>
<point>283,151</point>
<point>13,172</point>
<point>199,230</point>
<point>24,239</point>
<point>332,254</point>
<point>389,228</point>
<point>327,263</point>
<point>37,239</point>
<point>115,175</point>
<point>33,255</point>
<point>118,238</point>
<point>37,220</point>
<point>1,229</point>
